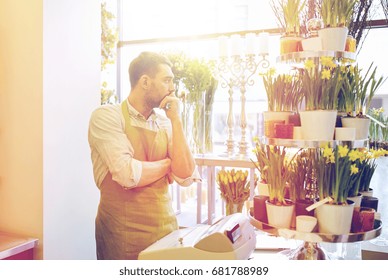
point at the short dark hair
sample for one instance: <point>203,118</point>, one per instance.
<point>146,63</point>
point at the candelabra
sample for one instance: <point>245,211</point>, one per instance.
<point>236,72</point>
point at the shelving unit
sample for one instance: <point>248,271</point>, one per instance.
<point>300,57</point>
<point>310,248</point>
<point>296,143</point>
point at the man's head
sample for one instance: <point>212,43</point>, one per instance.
<point>147,63</point>
<point>151,81</point>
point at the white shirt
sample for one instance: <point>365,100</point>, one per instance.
<point>112,151</point>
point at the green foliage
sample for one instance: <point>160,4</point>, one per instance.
<point>301,173</point>
<point>273,164</point>
<point>283,91</point>
<point>321,84</point>
<point>197,78</point>
<point>109,37</point>
<point>196,87</point>
<point>366,89</point>
<point>337,13</point>
<point>378,129</point>
<point>287,13</point>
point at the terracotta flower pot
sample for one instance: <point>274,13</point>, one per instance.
<point>370,201</point>
<point>284,131</point>
<point>290,44</point>
<point>363,219</point>
<point>259,208</point>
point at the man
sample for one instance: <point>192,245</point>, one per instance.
<point>136,154</point>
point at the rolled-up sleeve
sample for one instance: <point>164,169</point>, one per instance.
<point>111,150</point>
<point>194,178</point>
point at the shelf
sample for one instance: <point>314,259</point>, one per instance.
<point>299,57</point>
<point>317,237</point>
<point>295,143</point>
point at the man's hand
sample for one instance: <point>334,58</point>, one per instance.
<point>170,104</point>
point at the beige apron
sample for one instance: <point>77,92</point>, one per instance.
<point>128,221</point>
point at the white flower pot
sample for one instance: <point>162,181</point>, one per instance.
<point>333,38</point>
<point>312,44</point>
<point>356,199</point>
<point>262,188</point>
<point>335,219</point>
<point>280,216</point>
<point>367,193</point>
<point>345,133</point>
<point>318,124</point>
<point>297,133</point>
<point>360,124</point>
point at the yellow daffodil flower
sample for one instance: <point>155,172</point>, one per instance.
<point>343,151</point>
<point>354,155</point>
<point>353,169</point>
<point>326,74</point>
<point>328,154</point>
<point>309,64</point>
<point>328,62</point>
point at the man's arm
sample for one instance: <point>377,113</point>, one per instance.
<point>182,161</point>
<point>153,171</point>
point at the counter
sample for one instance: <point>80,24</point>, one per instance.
<point>16,247</point>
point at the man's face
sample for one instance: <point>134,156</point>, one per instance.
<point>161,86</point>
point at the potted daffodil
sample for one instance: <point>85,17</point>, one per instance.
<point>335,169</point>
<point>284,98</point>
<point>336,16</point>
<point>321,84</point>
<point>358,90</point>
<point>276,166</point>
<point>287,13</point>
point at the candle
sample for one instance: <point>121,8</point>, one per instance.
<point>263,43</point>
<point>236,45</point>
<point>223,46</point>
<point>250,43</point>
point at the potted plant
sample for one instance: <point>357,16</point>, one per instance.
<point>259,200</point>
<point>302,181</point>
<point>279,209</point>
<point>260,165</point>
<point>284,98</point>
<point>287,13</point>
<point>321,84</point>
<point>336,16</point>
<point>367,166</point>
<point>196,87</point>
<point>358,91</point>
<point>335,167</point>
<point>312,42</point>
<point>378,128</point>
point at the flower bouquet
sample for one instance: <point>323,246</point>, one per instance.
<point>235,189</point>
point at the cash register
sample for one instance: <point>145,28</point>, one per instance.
<point>232,237</point>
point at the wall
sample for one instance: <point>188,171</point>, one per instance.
<point>21,118</point>
<point>71,69</point>
<point>49,84</point>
